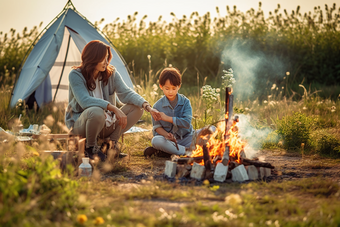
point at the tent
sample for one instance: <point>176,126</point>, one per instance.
<point>44,74</point>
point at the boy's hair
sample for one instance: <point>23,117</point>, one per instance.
<point>171,74</point>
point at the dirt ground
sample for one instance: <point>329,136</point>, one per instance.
<point>288,166</point>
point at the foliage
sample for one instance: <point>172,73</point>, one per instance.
<point>33,186</point>
<point>295,130</point>
<point>328,144</point>
<point>307,46</point>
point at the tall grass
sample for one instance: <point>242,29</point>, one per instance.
<point>307,45</point>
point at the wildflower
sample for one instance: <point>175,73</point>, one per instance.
<point>214,188</point>
<point>99,221</point>
<point>228,78</point>
<point>304,108</point>
<point>170,65</point>
<point>218,90</point>
<point>287,73</point>
<point>265,101</point>
<point>283,88</point>
<point>81,218</point>
<point>155,87</point>
<point>333,108</point>
<point>19,100</point>
<point>206,182</point>
<point>149,56</point>
<point>233,199</point>
<point>246,109</point>
<point>35,153</point>
<point>273,87</point>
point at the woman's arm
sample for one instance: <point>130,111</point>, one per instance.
<point>124,93</point>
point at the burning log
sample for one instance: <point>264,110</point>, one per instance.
<point>248,162</point>
<point>206,158</point>
<point>188,160</point>
<point>225,158</point>
<point>228,110</point>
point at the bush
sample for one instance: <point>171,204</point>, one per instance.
<point>295,130</point>
<point>32,188</point>
<point>328,144</point>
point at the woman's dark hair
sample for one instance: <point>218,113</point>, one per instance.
<point>93,53</point>
<point>171,74</point>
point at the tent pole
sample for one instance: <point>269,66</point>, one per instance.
<point>33,44</point>
<point>62,70</point>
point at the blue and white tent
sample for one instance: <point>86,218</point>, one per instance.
<point>46,68</point>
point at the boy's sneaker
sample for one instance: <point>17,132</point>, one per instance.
<point>149,151</point>
<point>92,152</point>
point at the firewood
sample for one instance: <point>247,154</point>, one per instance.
<point>248,162</point>
<point>206,158</point>
<point>185,160</point>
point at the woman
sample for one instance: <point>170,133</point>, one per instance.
<point>90,113</point>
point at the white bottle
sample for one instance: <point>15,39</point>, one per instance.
<point>85,169</point>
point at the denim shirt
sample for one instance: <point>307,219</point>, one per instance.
<point>181,117</point>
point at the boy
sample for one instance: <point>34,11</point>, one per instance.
<point>176,114</point>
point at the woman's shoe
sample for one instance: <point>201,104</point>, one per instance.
<point>92,152</point>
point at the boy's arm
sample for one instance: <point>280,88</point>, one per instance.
<point>162,132</point>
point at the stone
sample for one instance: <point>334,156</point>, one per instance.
<point>197,171</point>
<point>239,174</point>
<point>253,173</point>
<point>221,172</point>
<point>265,172</point>
<point>170,168</point>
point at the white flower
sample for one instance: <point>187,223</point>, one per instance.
<point>149,56</point>
<point>273,87</point>
<point>265,101</point>
<point>287,73</point>
<point>304,108</point>
<point>218,90</point>
<point>155,87</point>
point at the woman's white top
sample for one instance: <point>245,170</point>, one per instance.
<point>98,93</point>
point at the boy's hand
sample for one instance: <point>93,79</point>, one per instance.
<point>170,136</point>
<point>164,117</point>
<point>155,114</point>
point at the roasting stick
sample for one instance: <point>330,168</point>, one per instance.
<point>175,141</point>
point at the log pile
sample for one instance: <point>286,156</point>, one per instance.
<point>220,167</point>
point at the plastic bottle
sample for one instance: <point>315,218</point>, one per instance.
<point>85,169</point>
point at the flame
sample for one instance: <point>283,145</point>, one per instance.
<point>218,141</point>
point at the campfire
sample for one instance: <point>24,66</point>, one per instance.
<point>219,155</point>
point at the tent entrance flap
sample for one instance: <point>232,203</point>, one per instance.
<point>68,56</point>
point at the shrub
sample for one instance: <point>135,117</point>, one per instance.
<point>328,144</point>
<point>32,187</point>
<point>295,130</point>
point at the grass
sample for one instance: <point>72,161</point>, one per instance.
<point>133,192</point>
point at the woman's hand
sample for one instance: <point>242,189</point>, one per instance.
<point>120,115</point>
<point>155,114</point>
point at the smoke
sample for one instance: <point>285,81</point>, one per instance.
<point>253,136</point>
<point>253,70</point>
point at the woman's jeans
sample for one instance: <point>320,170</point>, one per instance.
<point>91,124</point>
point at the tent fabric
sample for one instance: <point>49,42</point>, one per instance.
<point>51,59</point>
